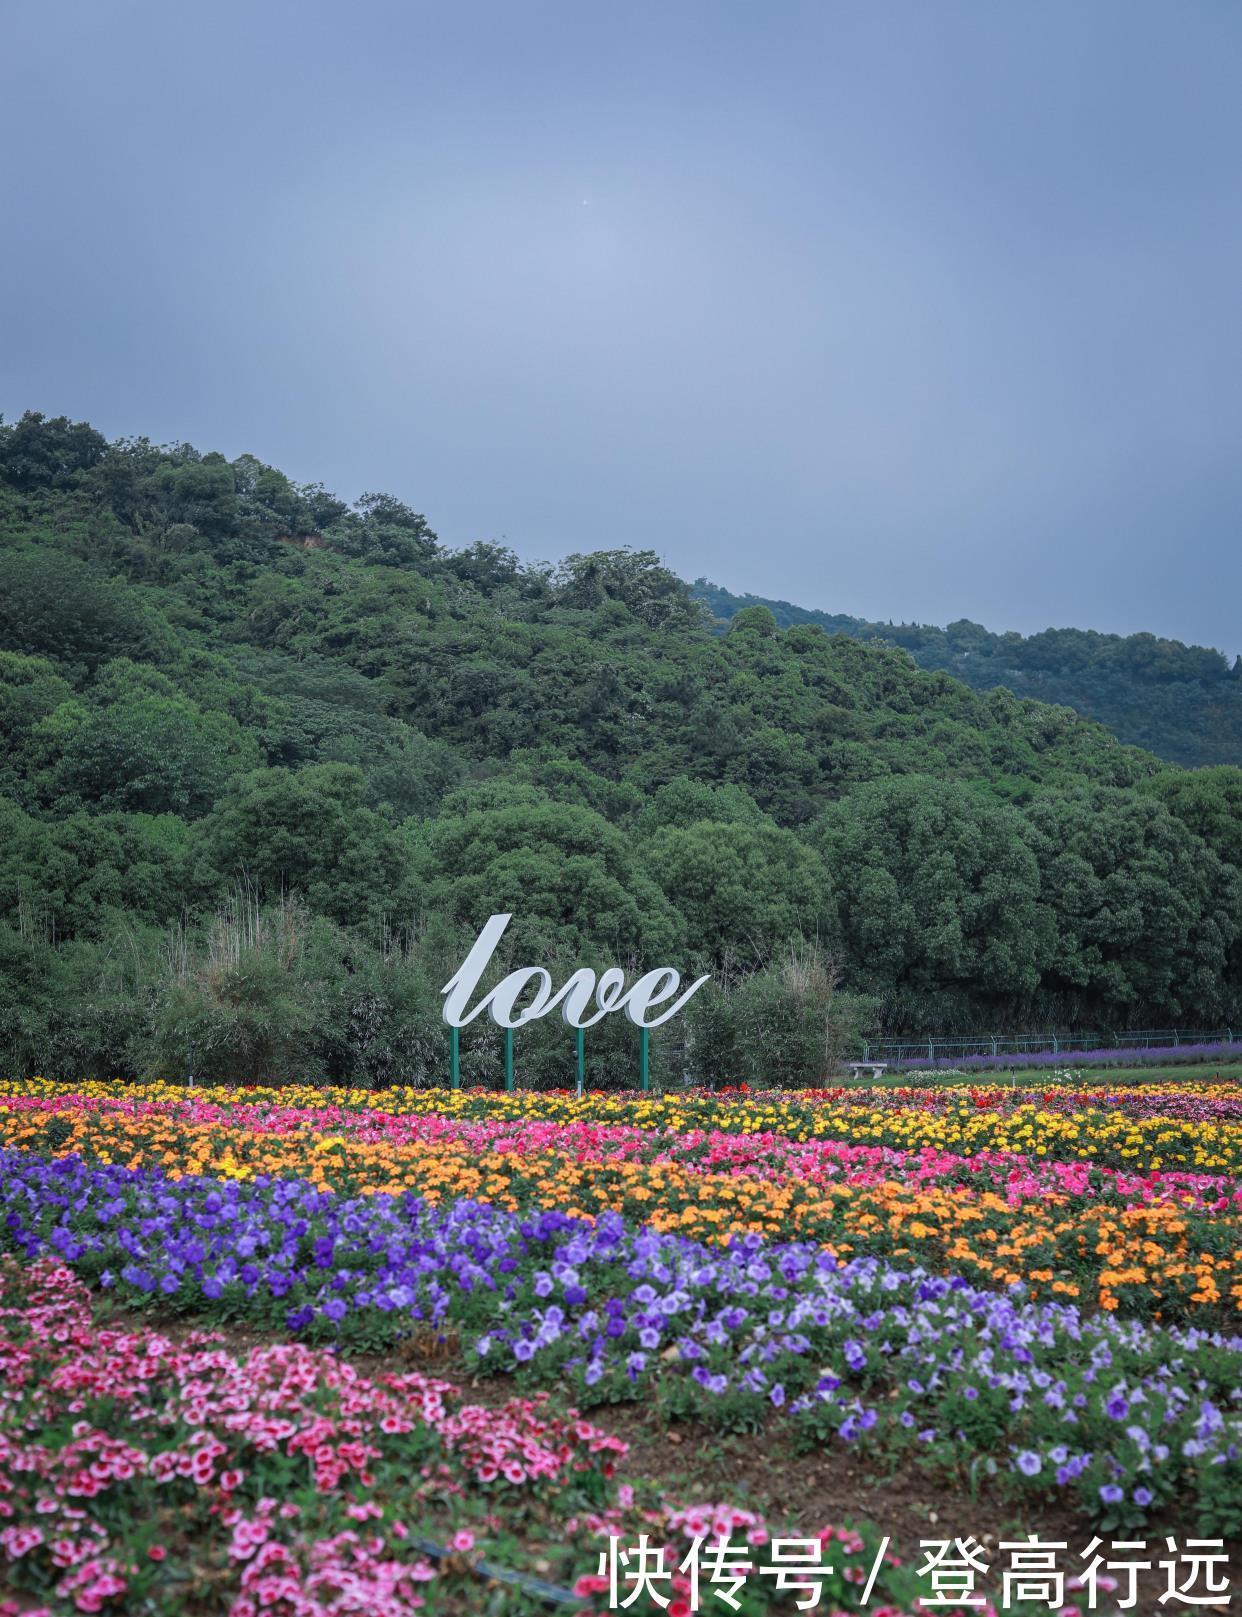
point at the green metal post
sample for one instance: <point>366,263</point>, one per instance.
<point>509,1058</point>
<point>644,1057</point>
<point>455,1057</point>
<point>581,1042</point>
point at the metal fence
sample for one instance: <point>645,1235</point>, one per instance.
<point>933,1050</point>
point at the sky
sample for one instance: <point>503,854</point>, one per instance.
<point>914,310</point>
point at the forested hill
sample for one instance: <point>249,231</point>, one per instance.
<point>270,758</point>
<point>1184,703</point>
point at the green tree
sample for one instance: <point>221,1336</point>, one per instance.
<point>54,606</point>
<point>154,753</point>
<point>30,689</point>
<point>36,453</point>
<point>390,533</point>
<point>753,620</point>
<point>566,875</point>
<point>1209,803</point>
<point>84,875</point>
<point>744,889</point>
<point>308,833</point>
<point>684,802</point>
<point>635,578</point>
<point>935,885</point>
<point>30,973</point>
<point>569,781</point>
<point>198,490</point>
<point>787,1023</point>
<point>1145,915</point>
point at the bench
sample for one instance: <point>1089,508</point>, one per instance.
<point>873,1069</point>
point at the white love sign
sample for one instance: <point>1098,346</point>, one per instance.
<point>584,999</point>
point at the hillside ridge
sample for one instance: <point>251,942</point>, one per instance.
<point>1182,702</point>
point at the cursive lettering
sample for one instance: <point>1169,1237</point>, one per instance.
<point>585,998</point>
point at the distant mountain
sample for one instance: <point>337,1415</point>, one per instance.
<point>1184,703</point>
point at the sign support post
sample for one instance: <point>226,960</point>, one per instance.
<point>455,1057</point>
<point>509,1059</point>
<point>644,1057</point>
<point>581,1043</point>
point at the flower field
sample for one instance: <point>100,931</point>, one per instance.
<point>141,1472</point>
<point>1036,1291</point>
<point>1125,1204</point>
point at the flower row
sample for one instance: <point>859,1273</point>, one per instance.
<point>110,1124</point>
<point>1155,1258</point>
<point>1142,1142</point>
<point>1194,1098</point>
<point>134,1467</point>
<point>1186,1128</point>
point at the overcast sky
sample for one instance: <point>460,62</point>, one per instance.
<point>913,310</point>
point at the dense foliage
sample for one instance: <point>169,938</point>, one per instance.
<point>269,760</point>
<point>1183,703</point>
